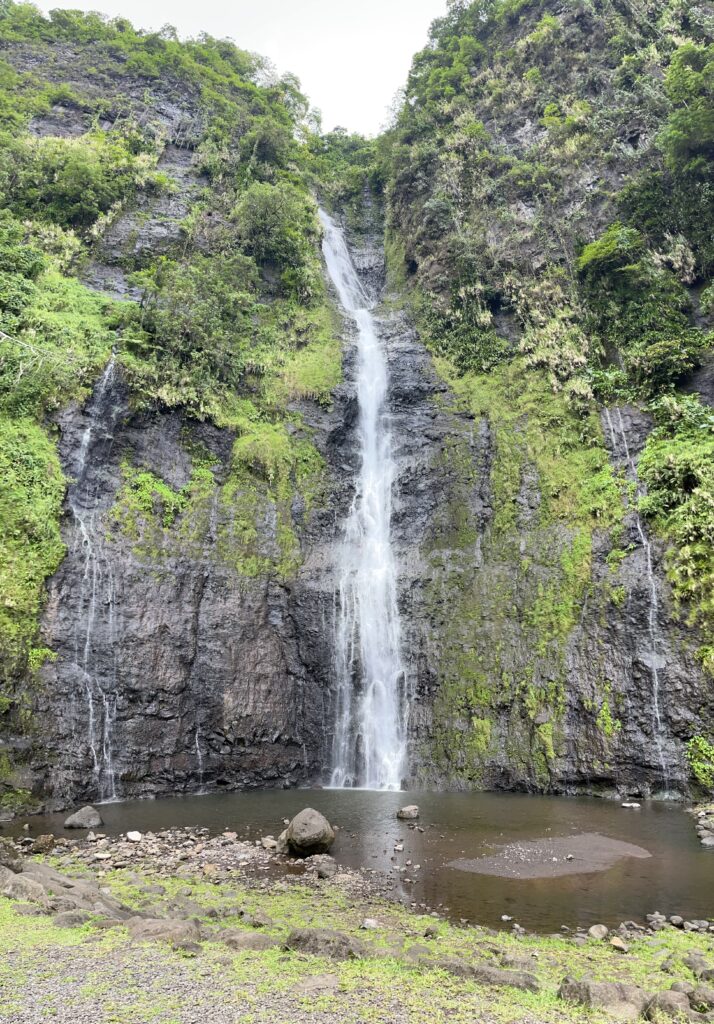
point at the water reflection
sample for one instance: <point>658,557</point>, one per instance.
<point>677,878</point>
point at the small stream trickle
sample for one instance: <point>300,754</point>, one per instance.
<point>656,662</point>
<point>97,598</point>
<point>199,758</point>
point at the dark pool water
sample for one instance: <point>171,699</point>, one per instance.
<point>678,877</point>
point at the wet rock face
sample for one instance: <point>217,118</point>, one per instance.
<point>630,689</point>
<point>174,672</point>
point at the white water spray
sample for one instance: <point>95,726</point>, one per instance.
<point>655,659</point>
<point>369,747</point>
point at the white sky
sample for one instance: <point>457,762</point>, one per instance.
<point>350,57</point>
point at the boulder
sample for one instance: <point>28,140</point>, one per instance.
<point>696,963</point>
<point>178,932</point>
<point>239,940</point>
<point>618,1000</point>
<point>134,837</point>
<point>670,1004</point>
<point>43,844</point>
<point>259,919</point>
<point>598,931</point>
<point>485,974</point>
<point>325,942</point>
<point>10,857</point>
<point>20,887</point>
<point>702,998</point>
<point>87,817</point>
<point>324,865</point>
<point>409,813</point>
<point>309,832</point>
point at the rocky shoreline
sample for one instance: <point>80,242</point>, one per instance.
<point>704,814</point>
<point>211,898</point>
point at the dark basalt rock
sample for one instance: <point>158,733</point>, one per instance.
<point>191,676</point>
<point>325,942</point>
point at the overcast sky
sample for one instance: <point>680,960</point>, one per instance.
<point>350,57</point>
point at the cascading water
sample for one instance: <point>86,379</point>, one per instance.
<point>369,747</point>
<point>655,660</point>
<point>96,597</point>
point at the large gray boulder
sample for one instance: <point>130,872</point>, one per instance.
<point>20,887</point>
<point>10,857</point>
<point>87,817</point>
<point>409,813</point>
<point>618,1000</point>
<point>325,942</point>
<point>309,832</point>
<point>674,1005</point>
<point>486,974</point>
<point>240,941</point>
<point>176,931</point>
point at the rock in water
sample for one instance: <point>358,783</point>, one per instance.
<point>410,813</point>
<point>309,832</point>
<point>87,817</point>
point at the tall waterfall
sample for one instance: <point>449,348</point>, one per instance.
<point>370,727</point>
<point>96,599</point>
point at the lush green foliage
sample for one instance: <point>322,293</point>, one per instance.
<point>551,209</point>
<point>700,755</point>
<point>31,491</point>
<point>231,322</point>
<point>640,310</point>
<point>678,467</point>
<point>71,182</point>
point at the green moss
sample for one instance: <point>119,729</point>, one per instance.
<point>608,724</point>
<point>31,492</point>
<point>503,629</point>
<point>677,465</point>
<point>700,756</point>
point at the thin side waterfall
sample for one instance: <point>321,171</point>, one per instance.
<point>199,758</point>
<point>655,658</point>
<point>369,748</point>
<point>96,599</point>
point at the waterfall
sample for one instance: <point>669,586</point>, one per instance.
<point>655,659</point>
<point>199,759</point>
<point>369,748</point>
<point>96,598</point>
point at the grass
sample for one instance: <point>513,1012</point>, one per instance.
<point>128,982</point>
